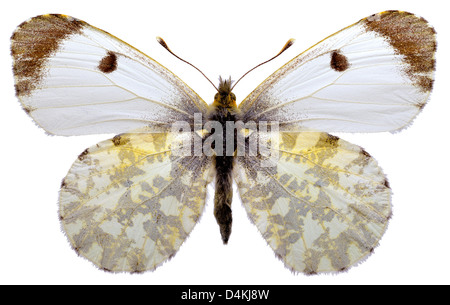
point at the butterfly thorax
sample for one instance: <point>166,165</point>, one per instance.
<point>224,110</point>
<point>224,97</point>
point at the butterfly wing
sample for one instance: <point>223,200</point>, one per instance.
<point>375,75</point>
<point>75,79</point>
<point>127,204</point>
<point>323,205</point>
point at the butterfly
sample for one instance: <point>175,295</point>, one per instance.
<point>128,203</point>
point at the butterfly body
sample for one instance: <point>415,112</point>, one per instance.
<point>223,110</point>
<point>128,203</point>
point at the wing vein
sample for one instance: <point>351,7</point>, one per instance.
<point>357,199</point>
<point>111,120</point>
<point>114,210</point>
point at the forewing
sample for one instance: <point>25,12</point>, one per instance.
<point>375,75</point>
<point>74,79</point>
<point>324,204</point>
<point>127,204</point>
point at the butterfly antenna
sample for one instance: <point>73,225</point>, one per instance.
<point>164,44</point>
<point>289,43</point>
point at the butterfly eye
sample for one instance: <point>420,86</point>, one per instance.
<point>216,96</point>
<point>233,97</point>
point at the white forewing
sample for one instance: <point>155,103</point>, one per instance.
<point>88,81</point>
<point>375,75</point>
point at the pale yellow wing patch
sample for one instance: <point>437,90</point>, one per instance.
<point>127,204</point>
<point>323,207</point>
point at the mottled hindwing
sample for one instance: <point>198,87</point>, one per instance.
<point>127,204</point>
<point>322,207</point>
<point>73,78</point>
<point>375,75</point>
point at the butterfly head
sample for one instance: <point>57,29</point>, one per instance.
<point>224,97</point>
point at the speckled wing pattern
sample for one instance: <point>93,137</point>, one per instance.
<point>325,204</point>
<point>127,204</point>
<point>323,207</point>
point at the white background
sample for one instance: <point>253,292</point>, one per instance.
<point>224,38</point>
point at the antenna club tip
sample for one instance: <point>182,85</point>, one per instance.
<point>162,42</point>
<point>288,44</point>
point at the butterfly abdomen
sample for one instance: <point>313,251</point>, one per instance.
<point>224,181</point>
<point>223,195</point>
